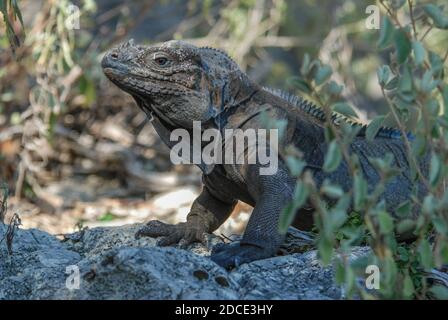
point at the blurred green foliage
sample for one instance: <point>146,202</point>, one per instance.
<point>412,81</point>
<point>10,9</point>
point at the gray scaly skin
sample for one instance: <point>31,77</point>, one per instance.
<point>176,83</point>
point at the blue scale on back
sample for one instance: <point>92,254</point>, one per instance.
<point>318,113</point>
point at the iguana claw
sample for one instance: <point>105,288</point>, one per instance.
<point>235,254</point>
<point>182,233</point>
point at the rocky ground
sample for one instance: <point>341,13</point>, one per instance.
<point>112,264</point>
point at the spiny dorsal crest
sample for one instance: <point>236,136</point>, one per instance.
<point>337,118</point>
<point>221,56</point>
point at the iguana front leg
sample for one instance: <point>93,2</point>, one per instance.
<point>206,215</point>
<point>262,237</point>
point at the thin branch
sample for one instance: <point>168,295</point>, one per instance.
<point>405,140</point>
<point>445,57</point>
<point>426,33</point>
<point>411,13</point>
<point>391,14</point>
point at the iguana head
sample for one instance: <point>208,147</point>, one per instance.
<point>175,81</point>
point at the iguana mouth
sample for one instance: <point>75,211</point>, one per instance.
<point>112,66</point>
<point>111,72</point>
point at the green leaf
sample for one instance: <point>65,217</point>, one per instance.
<point>405,82</point>
<point>17,11</point>
<point>408,287</point>
<point>286,217</point>
<point>425,254</point>
<point>389,272</point>
<point>418,146</point>
<point>334,88</point>
<point>419,52</point>
<point>427,83</point>
<point>325,249</point>
<point>332,190</point>
<point>108,216</point>
<point>15,118</point>
<point>440,292</point>
<point>404,209</point>
<point>67,53</point>
<point>444,253</point>
<point>435,172</point>
<point>386,222</point>
<point>288,213</point>
<point>403,254</point>
<point>87,88</point>
<point>295,165</point>
<point>436,63</point>
<point>392,83</point>
<point>305,65</point>
<point>299,83</point>
<point>441,225</point>
<point>373,127</point>
<point>436,15</point>
<point>333,157</point>
<point>339,273</point>
<point>383,73</point>
<point>345,109</point>
<point>323,74</point>
<point>338,218</point>
<point>406,226</point>
<point>433,107</point>
<point>359,191</point>
<point>386,33</point>
<point>350,281</point>
<point>12,11</point>
<point>445,99</point>
<point>300,194</point>
<point>402,45</point>
<point>52,124</point>
<point>429,205</point>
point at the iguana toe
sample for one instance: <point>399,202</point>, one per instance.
<point>172,234</point>
<point>235,254</point>
<point>172,239</point>
<point>154,228</point>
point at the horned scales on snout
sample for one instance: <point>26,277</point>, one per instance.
<point>176,83</point>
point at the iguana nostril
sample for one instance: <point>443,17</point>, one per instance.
<point>114,55</point>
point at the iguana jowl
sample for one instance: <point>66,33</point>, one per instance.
<point>176,83</point>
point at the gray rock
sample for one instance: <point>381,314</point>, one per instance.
<point>36,268</point>
<point>112,264</point>
<point>150,273</point>
<point>296,276</point>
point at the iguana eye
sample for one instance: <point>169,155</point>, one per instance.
<point>161,61</point>
<point>158,59</point>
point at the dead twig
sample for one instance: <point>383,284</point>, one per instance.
<point>11,132</point>
<point>4,202</point>
<point>14,224</point>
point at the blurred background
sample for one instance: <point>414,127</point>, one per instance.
<point>75,151</point>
